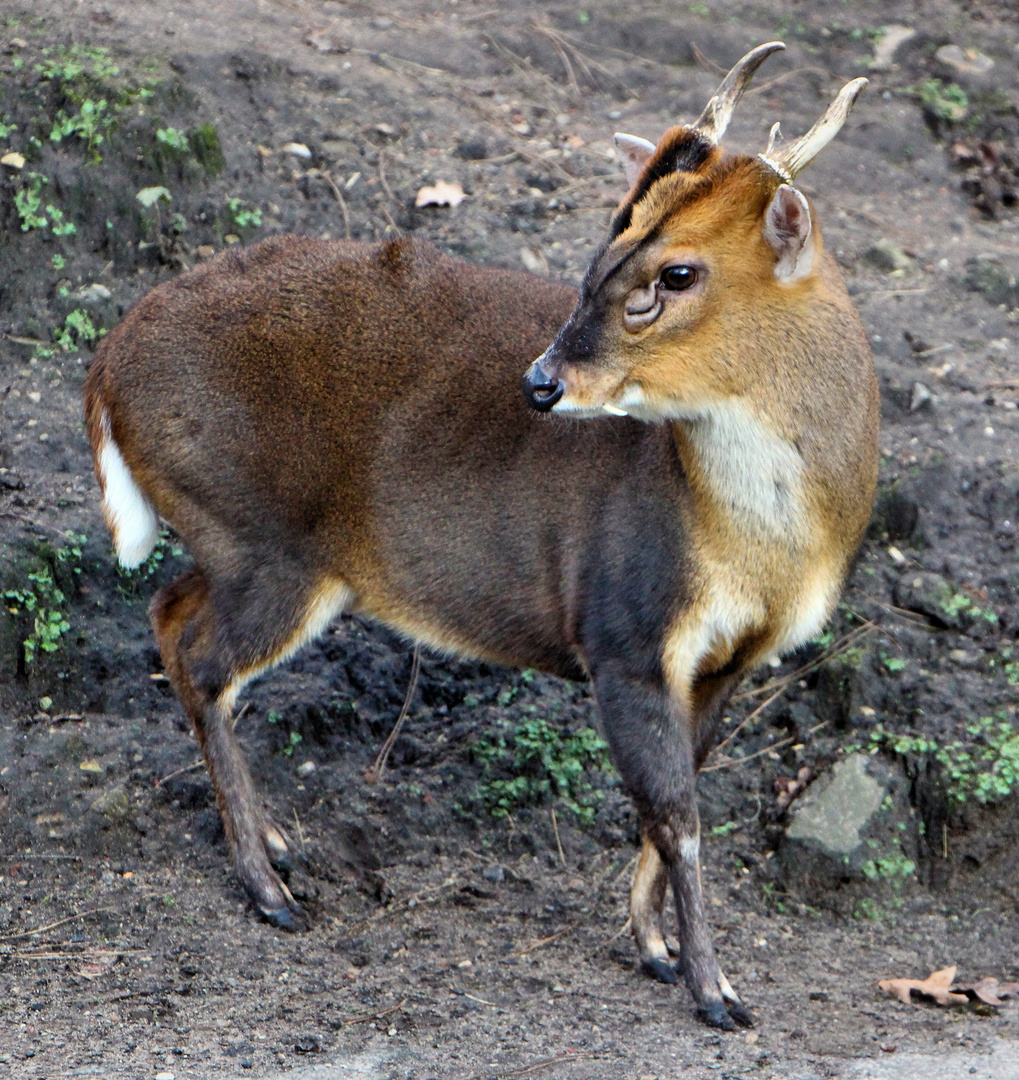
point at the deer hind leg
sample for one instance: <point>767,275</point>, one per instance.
<point>196,638</point>
<point>647,912</point>
<point>651,745</point>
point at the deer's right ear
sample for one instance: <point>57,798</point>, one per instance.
<point>635,153</point>
<point>790,234</point>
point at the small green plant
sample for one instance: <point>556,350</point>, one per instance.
<point>242,216</point>
<point>58,262</point>
<point>77,330</point>
<point>90,124</point>
<point>29,205</point>
<point>985,767</point>
<point>893,663</point>
<point>173,139</point>
<point>71,64</point>
<point>28,202</point>
<point>7,128</point>
<point>946,101</point>
<point>273,716</point>
<point>545,764</point>
<point>1009,666</point>
<point>890,866</point>
<point>42,600</point>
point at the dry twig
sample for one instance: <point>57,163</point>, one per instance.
<point>374,774</point>
<point>53,926</point>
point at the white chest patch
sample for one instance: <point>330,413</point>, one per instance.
<point>753,473</point>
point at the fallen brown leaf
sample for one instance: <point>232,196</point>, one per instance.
<point>937,985</point>
<point>989,990</point>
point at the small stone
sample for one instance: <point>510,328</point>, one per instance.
<point>920,396</point>
<point>896,556</point>
<point>494,873</point>
<point>94,293</point>
<point>13,160</point>
<point>296,148</point>
<point>112,803</point>
<point>205,251</point>
<point>965,61</point>
<point>887,255</point>
<point>306,768</point>
<point>90,765</point>
<point>534,261</point>
<point>962,658</point>
<point>382,22</point>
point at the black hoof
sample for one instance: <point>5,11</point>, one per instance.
<point>740,1013</point>
<point>717,1016</point>
<point>282,861</point>
<point>284,919</point>
<point>661,970</point>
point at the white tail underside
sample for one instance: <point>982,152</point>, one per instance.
<point>129,515</point>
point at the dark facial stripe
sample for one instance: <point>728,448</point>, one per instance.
<point>685,151</point>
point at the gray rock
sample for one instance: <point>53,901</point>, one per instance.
<point>112,803</point>
<point>854,824</point>
<point>833,815</point>
<point>887,255</point>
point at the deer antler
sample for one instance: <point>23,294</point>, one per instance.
<point>718,111</point>
<point>795,157</point>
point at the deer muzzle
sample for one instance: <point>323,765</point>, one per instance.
<point>540,389</point>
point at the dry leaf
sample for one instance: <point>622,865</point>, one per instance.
<point>13,160</point>
<point>442,194</point>
<point>936,985</point>
<point>989,990</point>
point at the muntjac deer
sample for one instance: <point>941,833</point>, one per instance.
<point>336,427</point>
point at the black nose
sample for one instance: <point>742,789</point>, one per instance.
<point>540,389</point>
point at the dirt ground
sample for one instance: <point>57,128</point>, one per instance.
<point>445,941</point>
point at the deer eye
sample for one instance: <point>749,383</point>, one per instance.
<point>678,278</point>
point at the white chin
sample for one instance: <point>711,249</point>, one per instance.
<point>583,412</point>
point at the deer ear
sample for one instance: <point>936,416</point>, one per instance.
<point>636,153</point>
<point>790,234</point>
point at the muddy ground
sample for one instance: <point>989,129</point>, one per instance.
<point>445,941</point>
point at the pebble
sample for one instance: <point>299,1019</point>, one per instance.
<point>965,61</point>
<point>94,293</point>
<point>306,768</point>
